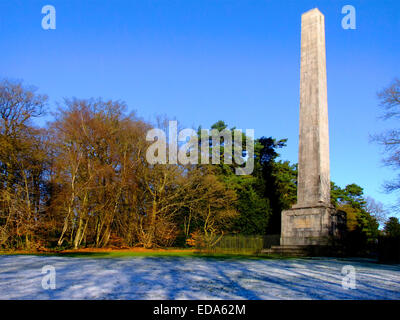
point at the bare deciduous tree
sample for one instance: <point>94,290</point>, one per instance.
<point>390,140</point>
<point>22,162</point>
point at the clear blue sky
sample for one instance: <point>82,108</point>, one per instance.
<point>202,61</point>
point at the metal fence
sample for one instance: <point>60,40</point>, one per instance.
<point>237,243</point>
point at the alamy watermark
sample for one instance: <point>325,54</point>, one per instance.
<point>184,147</point>
<point>49,20</point>
<point>349,20</point>
<point>49,278</point>
<point>349,277</point>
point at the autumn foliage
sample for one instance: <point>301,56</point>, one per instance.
<point>83,179</point>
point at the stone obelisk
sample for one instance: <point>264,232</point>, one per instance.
<point>310,221</point>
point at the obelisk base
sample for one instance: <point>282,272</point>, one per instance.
<point>305,226</point>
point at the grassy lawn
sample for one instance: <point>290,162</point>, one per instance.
<point>131,253</point>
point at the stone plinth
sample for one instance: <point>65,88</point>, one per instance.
<point>307,226</point>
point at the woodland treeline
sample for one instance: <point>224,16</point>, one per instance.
<point>82,180</point>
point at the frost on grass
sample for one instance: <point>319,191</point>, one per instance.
<point>194,278</point>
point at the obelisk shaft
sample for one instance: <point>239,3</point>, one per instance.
<point>313,167</point>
